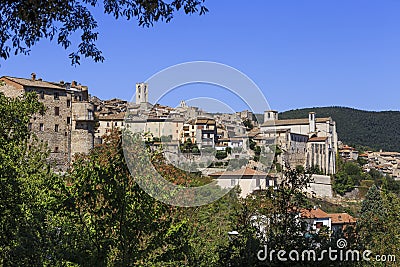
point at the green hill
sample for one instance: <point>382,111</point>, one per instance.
<point>378,130</point>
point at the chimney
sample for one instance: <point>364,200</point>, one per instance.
<point>311,121</point>
<point>61,82</point>
<point>73,84</point>
<point>33,76</point>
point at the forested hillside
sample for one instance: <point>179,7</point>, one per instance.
<point>378,130</point>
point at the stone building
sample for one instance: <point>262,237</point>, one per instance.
<point>311,141</point>
<point>107,123</point>
<point>68,123</point>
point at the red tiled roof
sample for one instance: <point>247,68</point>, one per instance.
<point>242,172</point>
<point>317,139</point>
<point>340,218</point>
<point>313,213</point>
<point>34,83</point>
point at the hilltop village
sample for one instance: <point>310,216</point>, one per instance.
<point>75,122</point>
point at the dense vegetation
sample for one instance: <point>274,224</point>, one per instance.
<point>97,215</point>
<point>350,175</point>
<point>378,130</point>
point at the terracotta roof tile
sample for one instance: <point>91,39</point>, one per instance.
<point>242,172</point>
<point>317,139</point>
<point>35,83</point>
<point>313,213</point>
<point>340,218</point>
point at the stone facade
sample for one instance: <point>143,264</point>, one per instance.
<point>68,123</point>
<point>311,142</point>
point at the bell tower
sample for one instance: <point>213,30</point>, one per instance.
<point>142,93</point>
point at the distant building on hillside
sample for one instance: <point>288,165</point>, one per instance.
<point>308,142</point>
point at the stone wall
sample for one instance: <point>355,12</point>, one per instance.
<point>82,134</point>
<point>321,186</point>
<point>67,127</point>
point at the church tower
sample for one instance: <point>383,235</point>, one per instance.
<point>270,115</point>
<point>142,93</point>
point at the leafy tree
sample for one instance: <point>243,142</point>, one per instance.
<point>25,186</point>
<point>252,144</point>
<point>257,153</point>
<point>248,124</point>
<point>24,23</point>
<point>188,147</point>
<point>371,216</point>
<point>221,155</point>
<point>378,226</point>
<point>110,221</point>
<point>209,227</point>
<point>270,217</point>
<point>349,175</point>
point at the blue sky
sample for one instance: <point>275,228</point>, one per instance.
<point>301,53</point>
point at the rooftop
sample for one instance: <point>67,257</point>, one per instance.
<point>33,82</point>
<point>339,218</point>
<point>242,172</point>
<point>293,122</point>
<point>314,214</point>
<point>317,139</point>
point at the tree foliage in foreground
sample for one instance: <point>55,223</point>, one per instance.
<point>24,181</point>
<point>24,23</point>
<point>378,227</point>
<point>110,221</point>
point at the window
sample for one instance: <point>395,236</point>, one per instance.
<point>41,95</point>
<point>108,124</point>
<point>69,120</point>
<point>90,114</point>
<point>68,103</point>
<point>66,134</point>
<point>56,111</point>
<point>318,225</point>
<point>56,149</point>
<point>56,96</point>
<point>41,127</point>
<point>115,123</point>
<point>56,128</point>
